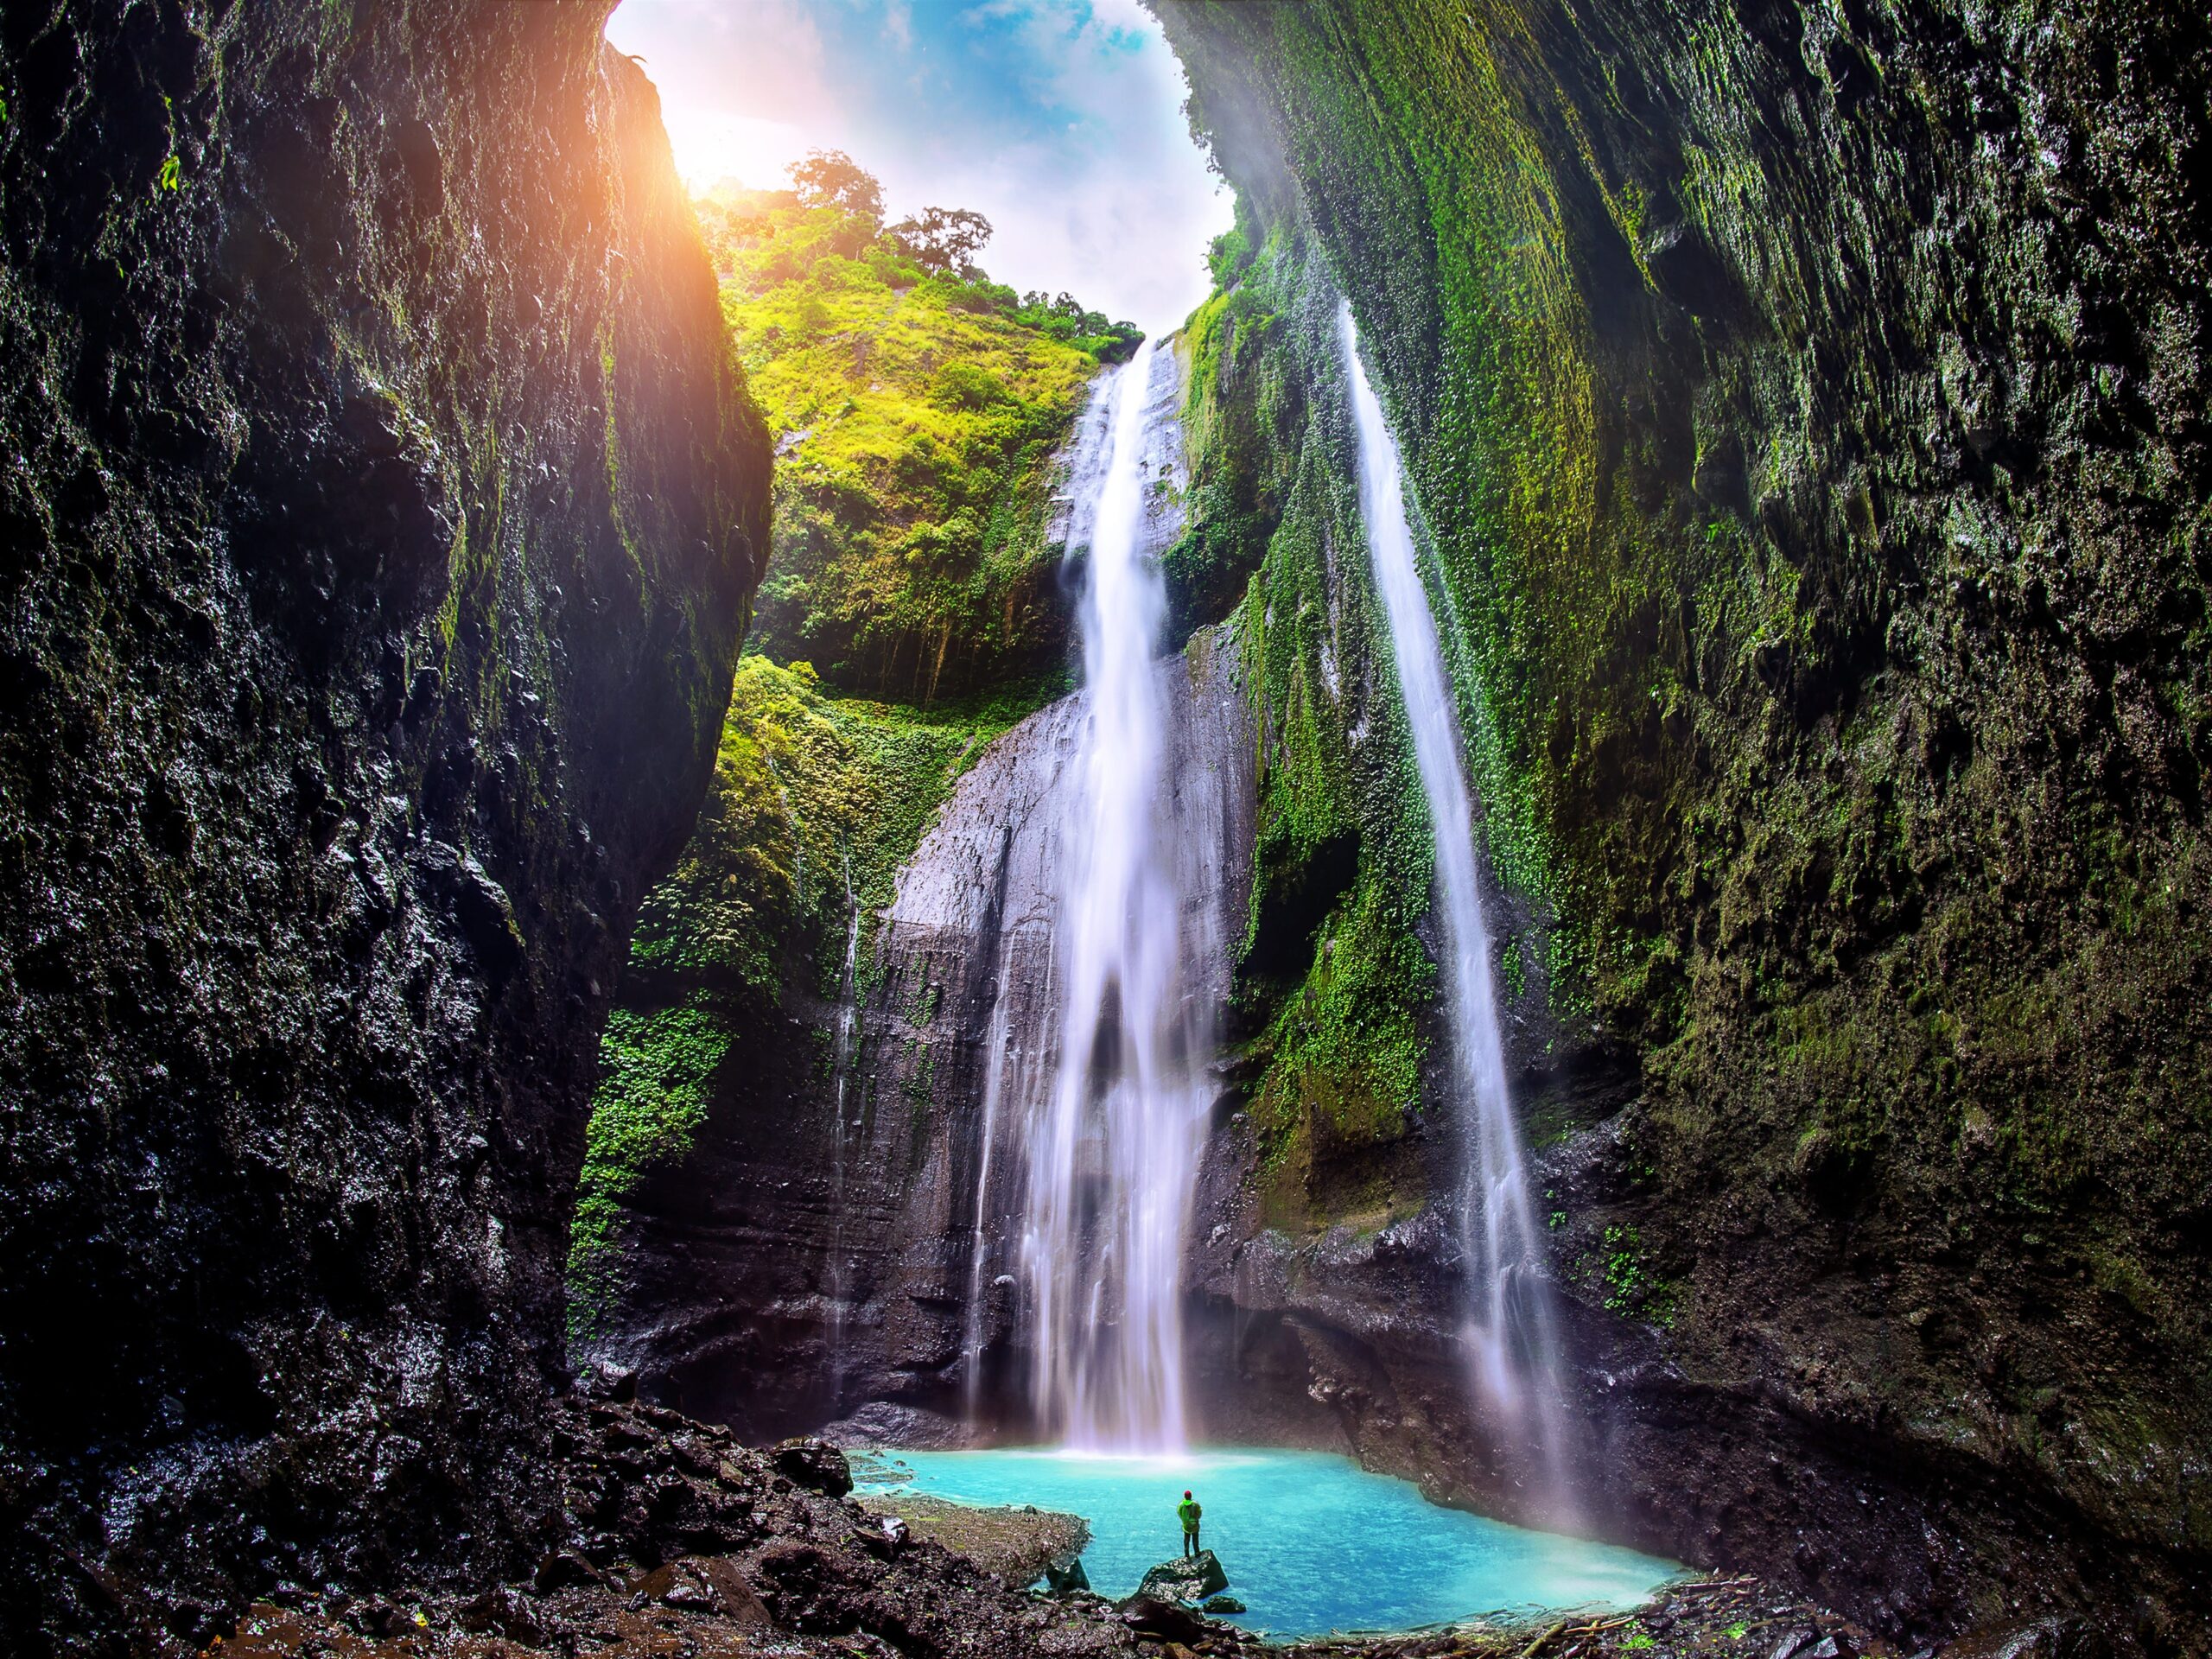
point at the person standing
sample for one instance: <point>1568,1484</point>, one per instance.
<point>1189,1510</point>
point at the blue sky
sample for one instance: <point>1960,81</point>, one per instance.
<point>1058,120</point>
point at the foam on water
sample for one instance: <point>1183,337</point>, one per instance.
<point>1312,1542</point>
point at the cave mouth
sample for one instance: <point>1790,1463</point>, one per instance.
<point>1313,1545</point>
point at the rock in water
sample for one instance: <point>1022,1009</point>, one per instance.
<point>815,1465</point>
<point>1223,1604</point>
<point>1189,1579</point>
<point>1015,1544</point>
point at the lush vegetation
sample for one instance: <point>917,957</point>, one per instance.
<point>918,407</point>
<point>816,802</point>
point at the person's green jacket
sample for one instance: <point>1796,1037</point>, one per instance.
<point>1189,1510</point>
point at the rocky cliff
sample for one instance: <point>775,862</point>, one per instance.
<point>837,1222</point>
<point>381,509</point>
<point>1806,404</point>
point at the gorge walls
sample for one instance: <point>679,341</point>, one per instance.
<point>1806,404</point>
<point>380,513</point>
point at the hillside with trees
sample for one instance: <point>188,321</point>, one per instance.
<point>916,406</point>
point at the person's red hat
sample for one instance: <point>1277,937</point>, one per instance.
<point>1187,1494</point>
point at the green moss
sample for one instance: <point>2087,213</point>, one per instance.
<point>655,1072</point>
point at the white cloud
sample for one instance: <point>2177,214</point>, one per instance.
<point>1098,190</point>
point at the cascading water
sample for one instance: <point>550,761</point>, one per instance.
<point>848,1012</point>
<point>1509,1333</point>
<point>971,1342</point>
<point>1113,1152</point>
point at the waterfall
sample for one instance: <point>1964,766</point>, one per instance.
<point>1508,1335</point>
<point>848,1014</point>
<point>997,1040</point>
<point>1113,1152</point>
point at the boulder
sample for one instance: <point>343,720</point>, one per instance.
<point>1188,1579</point>
<point>505,1611</point>
<point>607,1380</point>
<point>1066,1580</point>
<point>881,1425</point>
<point>1223,1604</point>
<point>1151,1616</point>
<point>699,1584</point>
<point>2038,1638</point>
<point>814,1464</point>
<point>562,1570</point>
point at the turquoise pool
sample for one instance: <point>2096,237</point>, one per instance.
<point>1312,1542</point>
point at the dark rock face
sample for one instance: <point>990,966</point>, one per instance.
<point>1806,406</point>
<point>380,509</point>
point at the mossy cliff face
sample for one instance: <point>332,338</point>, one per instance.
<point>732,1009</point>
<point>381,508</point>
<point>1336,987</point>
<point>1806,404</point>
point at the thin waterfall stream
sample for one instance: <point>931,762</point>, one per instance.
<point>847,1012</point>
<point>997,1039</point>
<point>1511,1343</point>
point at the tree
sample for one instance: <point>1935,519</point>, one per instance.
<point>829,178</point>
<point>943,239</point>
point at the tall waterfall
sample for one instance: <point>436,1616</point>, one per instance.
<point>1113,1152</point>
<point>1509,1334</point>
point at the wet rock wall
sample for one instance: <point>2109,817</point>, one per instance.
<point>1806,402</point>
<point>379,508</point>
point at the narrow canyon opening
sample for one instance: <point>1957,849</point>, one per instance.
<point>1017,827</point>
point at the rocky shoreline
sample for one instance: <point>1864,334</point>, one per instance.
<point>675,1540</point>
